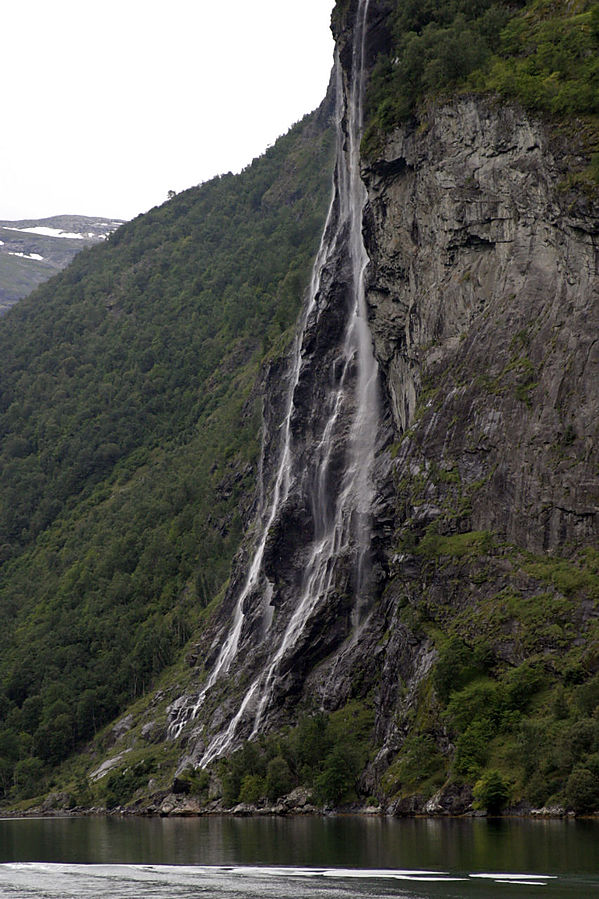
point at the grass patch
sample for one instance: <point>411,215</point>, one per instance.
<point>455,546</point>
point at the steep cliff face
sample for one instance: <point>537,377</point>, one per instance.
<point>460,606</point>
<point>483,290</point>
<point>307,584</point>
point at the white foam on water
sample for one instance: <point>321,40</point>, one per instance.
<point>141,872</point>
<point>514,876</point>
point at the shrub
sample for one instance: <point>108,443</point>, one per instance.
<point>279,781</point>
<point>121,786</point>
<point>457,665</point>
<point>583,738</point>
<point>28,777</point>
<point>522,684</point>
<point>253,788</point>
<point>338,777</point>
<point>231,785</point>
<point>419,759</point>
<point>311,741</point>
<point>491,792</point>
<point>587,695</point>
<point>481,700</point>
<point>582,791</point>
<point>198,780</point>
<point>472,748</point>
<point>538,789</point>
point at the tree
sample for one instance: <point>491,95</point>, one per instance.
<point>491,792</point>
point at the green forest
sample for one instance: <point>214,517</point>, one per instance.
<point>131,390</point>
<point>541,53</point>
<point>130,416</point>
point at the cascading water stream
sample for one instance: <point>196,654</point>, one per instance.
<point>340,507</point>
<point>280,492</point>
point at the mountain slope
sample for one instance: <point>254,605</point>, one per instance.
<point>32,250</point>
<point>470,662</point>
<point>129,415</point>
<point>412,613</point>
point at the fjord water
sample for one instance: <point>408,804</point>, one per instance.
<point>330,857</point>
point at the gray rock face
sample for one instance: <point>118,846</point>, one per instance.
<point>484,293</point>
<point>483,298</point>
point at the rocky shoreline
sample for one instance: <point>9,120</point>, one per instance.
<point>173,805</point>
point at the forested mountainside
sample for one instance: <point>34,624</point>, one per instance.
<point>412,484</point>
<point>130,435</point>
<point>32,250</point>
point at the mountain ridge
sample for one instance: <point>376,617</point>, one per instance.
<point>32,250</point>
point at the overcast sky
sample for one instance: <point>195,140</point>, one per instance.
<point>108,104</point>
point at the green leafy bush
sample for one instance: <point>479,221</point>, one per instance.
<point>121,785</point>
<point>337,779</point>
<point>582,790</point>
<point>253,789</point>
<point>491,792</point>
<point>543,54</point>
<point>472,748</point>
<point>419,760</point>
<point>482,700</point>
<point>323,752</point>
<point>29,777</point>
<point>279,780</point>
<point>458,664</point>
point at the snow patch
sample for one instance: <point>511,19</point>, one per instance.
<point>48,232</point>
<point>35,256</point>
<point>43,231</point>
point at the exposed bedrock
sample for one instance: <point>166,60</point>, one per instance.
<point>483,292</point>
<point>483,299</point>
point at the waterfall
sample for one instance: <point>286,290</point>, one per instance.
<point>338,496</point>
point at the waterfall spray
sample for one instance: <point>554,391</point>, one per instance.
<point>340,507</point>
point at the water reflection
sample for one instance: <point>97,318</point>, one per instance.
<point>231,857</point>
<point>454,845</point>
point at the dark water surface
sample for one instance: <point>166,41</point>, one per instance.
<point>297,857</point>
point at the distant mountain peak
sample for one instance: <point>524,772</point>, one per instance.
<point>32,250</point>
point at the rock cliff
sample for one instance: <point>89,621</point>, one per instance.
<point>483,292</point>
<point>483,289</point>
<point>483,304</point>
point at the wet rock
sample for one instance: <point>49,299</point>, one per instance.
<point>407,806</point>
<point>452,800</point>
<point>152,732</point>
<point>58,801</point>
<point>181,786</point>
<point>551,811</point>
<point>483,281</point>
<point>298,798</point>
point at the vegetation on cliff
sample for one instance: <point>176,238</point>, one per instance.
<point>514,687</point>
<point>543,54</point>
<point>130,421</point>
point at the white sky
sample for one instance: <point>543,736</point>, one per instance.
<point>108,104</point>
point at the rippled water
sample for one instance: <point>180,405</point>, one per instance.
<point>295,858</point>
